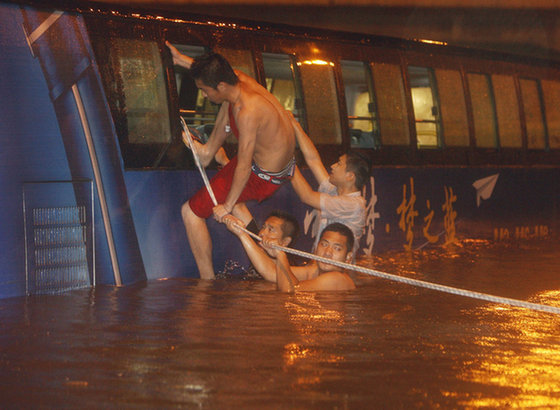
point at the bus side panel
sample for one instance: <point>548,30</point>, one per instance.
<point>423,207</point>
<point>32,148</point>
<point>66,59</point>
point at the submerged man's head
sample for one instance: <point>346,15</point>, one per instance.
<point>281,226</point>
<point>336,242</point>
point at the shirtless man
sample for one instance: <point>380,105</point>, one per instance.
<point>265,157</point>
<point>336,242</point>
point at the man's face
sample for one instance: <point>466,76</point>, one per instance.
<point>333,246</point>
<point>338,171</point>
<point>213,94</point>
<point>272,229</point>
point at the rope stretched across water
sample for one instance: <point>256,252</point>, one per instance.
<point>414,282</point>
<point>376,273</point>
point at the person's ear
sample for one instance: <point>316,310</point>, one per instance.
<point>221,86</point>
<point>286,241</point>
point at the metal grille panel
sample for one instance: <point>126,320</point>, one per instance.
<point>59,236</point>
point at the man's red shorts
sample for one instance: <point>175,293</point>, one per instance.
<point>255,189</point>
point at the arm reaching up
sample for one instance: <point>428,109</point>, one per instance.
<point>310,153</point>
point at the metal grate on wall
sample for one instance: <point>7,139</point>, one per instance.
<point>59,236</point>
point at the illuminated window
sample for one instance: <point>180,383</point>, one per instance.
<point>360,104</point>
<point>321,102</point>
<point>534,114</point>
<point>453,108</point>
<point>551,96</point>
<point>281,81</point>
<point>484,113</point>
<point>424,102</point>
<point>391,104</point>
<point>507,110</point>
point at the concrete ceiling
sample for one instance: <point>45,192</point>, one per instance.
<point>528,27</point>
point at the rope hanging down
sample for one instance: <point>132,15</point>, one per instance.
<point>373,272</point>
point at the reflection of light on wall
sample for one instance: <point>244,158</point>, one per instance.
<point>315,62</point>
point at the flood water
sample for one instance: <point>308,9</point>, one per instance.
<point>239,344</point>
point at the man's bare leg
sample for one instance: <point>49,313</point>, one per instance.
<point>199,240</point>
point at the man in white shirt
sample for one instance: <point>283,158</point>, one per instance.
<point>338,198</point>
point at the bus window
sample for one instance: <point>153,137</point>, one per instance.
<point>507,110</point>
<point>319,86</point>
<point>360,104</point>
<point>425,107</point>
<point>144,99</point>
<point>534,118</point>
<point>551,94</point>
<point>484,114</point>
<point>453,108</point>
<point>136,88</point>
<point>391,105</point>
<point>281,82</point>
<point>241,60</point>
<point>197,110</point>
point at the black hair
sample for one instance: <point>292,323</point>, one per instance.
<point>343,230</point>
<point>212,68</point>
<point>290,226</point>
<point>359,166</point>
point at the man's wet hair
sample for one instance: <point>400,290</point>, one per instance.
<point>344,231</point>
<point>212,68</point>
<point>359,165</point>
<point>290,226</point>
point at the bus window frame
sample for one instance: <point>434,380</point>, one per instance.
<point>135,155</point>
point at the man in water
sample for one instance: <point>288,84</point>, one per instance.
<point>279,227</point>
<point>265,157</point>
<point>339,196</point>
<point>336,242</point>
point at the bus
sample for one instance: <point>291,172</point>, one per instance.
<point>464,144</point>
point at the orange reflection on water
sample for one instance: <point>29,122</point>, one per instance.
<point>308,316</point>
<point>524,357</point>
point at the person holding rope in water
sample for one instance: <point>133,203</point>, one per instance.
<point>279,227</point>
<point>335,242</point>
<point>265,158</point>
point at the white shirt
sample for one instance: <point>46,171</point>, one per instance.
<point>348,209</point>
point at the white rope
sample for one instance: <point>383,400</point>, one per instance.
<point>373,272</point>
<point>414,282</point>
<point>197,161</point>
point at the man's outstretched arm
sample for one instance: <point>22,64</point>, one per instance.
<point>310,153</point>
<point>304,190</point>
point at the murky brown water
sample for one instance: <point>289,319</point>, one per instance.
<point>184,343</point>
